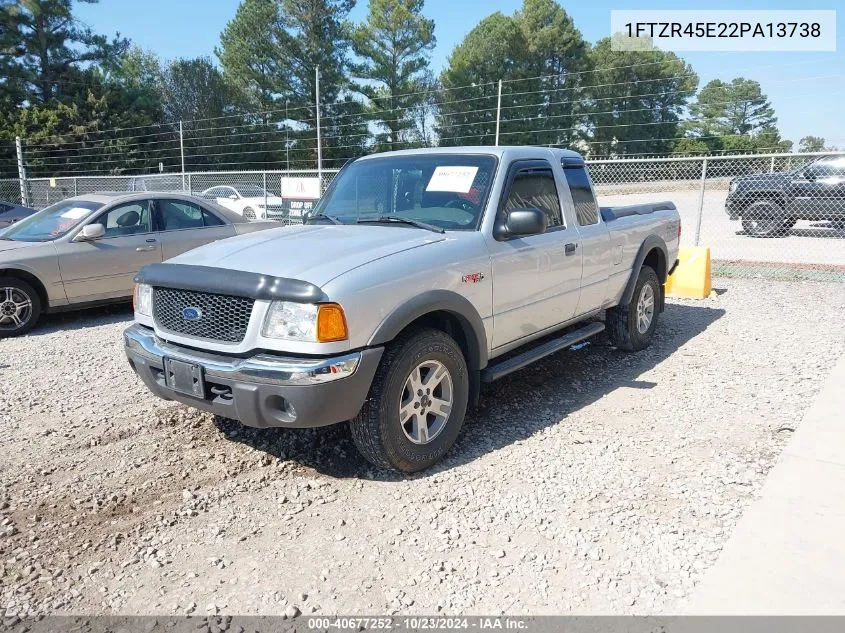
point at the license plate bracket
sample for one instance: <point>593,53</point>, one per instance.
<point>184,377</point>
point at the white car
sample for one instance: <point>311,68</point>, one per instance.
<point>250,201</point>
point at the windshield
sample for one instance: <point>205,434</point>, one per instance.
<point>250,191</point>
<point>446,190</point>
<point>51,223</point>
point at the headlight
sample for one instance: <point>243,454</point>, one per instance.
<point>307,322</point>
<point>732,186</point>
<point>143,299</point>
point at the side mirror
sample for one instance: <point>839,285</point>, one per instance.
<point>521,222</point>
<point>233,196</point>
<point>92,232</point>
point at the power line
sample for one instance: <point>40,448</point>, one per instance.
<point>435,91</point>
<point>92,156</point>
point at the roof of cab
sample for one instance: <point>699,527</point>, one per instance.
<point>511,151</point>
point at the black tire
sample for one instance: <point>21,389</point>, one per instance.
<point>377,430</point>
<point>249,213</point>
<point>621,321</point>
<point>765,218</point>
<point>21,291</point>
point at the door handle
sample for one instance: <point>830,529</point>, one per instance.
<point>570,248</point>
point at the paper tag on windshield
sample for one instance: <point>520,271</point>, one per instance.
<point>75,213</point>
<point>452,178</point>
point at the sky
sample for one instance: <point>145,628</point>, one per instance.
<point>806,88</point>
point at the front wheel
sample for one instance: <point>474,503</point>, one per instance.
<point>249,213</point>
<point>764,218</point>
<point>631,327</point>
<point>416,404</point>
<point>20,307</point>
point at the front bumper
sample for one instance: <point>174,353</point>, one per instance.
<point>262,391</point>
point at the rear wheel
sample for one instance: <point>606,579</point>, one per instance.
<point>765,218</point>
<point>631,327</point>
<point>416,404</point>
<point>20,307</point>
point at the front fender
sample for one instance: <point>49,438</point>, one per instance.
<point>437,301</point>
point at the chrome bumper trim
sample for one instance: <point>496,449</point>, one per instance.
<point>262,368</point>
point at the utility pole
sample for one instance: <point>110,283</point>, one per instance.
<point>182,152</point>
<point>287,136</point>
<point>498,111</point>
<point>22,172</point>
<point>319,144</point>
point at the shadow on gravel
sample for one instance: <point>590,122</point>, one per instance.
<point>81,319</point>
<point>512,409</point>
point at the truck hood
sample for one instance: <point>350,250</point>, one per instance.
<point>316,254</point>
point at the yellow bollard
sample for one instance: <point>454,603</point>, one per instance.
<point>691,279</point>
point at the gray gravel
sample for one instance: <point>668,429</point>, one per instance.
<point>593,482</point>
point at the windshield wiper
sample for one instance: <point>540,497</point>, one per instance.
<point>400,220</point>
<point>321,216</point>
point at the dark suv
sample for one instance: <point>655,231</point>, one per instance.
<point>771,204</point>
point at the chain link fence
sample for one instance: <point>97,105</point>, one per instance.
<point>254,194</point>
<point>10,190</point>
<point>777,216</point>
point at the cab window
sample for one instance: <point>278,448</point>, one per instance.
<point>534,187</point>
<point>586,209</point>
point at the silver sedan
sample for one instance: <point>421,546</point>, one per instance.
<point>85,251</point>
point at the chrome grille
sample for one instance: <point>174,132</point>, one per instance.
<point>221,318</point>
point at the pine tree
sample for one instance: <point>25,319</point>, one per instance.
<point>393,46</point>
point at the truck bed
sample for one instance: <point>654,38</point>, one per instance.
<point>608,214</point>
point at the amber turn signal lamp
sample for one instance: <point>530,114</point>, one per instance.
<point>331,323</point>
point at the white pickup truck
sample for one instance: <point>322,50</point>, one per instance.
<point>420,275</point>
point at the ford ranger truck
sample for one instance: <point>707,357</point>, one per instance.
<point>420,275</point>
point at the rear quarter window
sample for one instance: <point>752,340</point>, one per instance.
<point>586,208</point>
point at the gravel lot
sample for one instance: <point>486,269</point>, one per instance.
<point>592,482</point>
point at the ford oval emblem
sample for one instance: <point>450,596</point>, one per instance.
<point>191,314</point>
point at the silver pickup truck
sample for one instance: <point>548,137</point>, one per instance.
<point>420,275</point>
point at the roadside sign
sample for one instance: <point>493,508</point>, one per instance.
<point>299,195</point>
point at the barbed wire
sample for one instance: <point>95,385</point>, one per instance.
<point>432,91</point>
<point>298,138</point>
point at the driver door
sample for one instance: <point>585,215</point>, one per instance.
<point>536,278</point>
<point>105,268</point>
